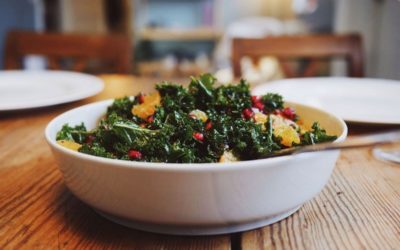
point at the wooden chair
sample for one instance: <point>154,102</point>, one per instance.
<point>313,48</point>
<point>113,52</point>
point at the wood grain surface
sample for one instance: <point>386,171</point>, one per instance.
<point>358,209</point>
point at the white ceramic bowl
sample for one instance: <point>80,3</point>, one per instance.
<point>194,199</point>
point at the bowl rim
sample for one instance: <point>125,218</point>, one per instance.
<point>184,167</point>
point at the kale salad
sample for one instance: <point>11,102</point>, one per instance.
<point>199,124</point>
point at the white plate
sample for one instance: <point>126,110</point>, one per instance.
<point>360,100</point>
<point>34,89</point>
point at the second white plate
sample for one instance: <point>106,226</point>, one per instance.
<point>34,89</point>
<point>360,100</point>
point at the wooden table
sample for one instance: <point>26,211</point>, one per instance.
<point>358,209</point>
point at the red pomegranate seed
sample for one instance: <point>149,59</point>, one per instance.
<point>141,98</point>
<point>198,136</point>
<point>150,119</point>
<point>134,154</point>
<point>289,113</point>
<point>255,98</point>
<point>208,125</point>
<point>259,105</point>
<point>247,113</point>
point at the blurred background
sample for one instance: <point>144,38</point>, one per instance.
<point>174,38</point>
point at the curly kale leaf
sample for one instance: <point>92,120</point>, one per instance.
<point>246,139</point>
<point>272,102</point>
<point>96,150</point>
<point>202,85</point>
<point>175,97</point>
<point>122,107</point>
<point>154,144</point>
<point>202,89</point>
<point>316,135</point>
<point>232,99</point>
<point>251,141</point>
<point>119,135</point>
<point>185,148</point>
<point>77,133</point>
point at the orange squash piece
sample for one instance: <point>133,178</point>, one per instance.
<point>148,107</point>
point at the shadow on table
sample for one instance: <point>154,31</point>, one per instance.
<point>41,111</point>
<point>84,227</point>
<point>360,128</point>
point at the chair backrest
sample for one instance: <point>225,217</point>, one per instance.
<point>115,50</point>
<point>314,48</point>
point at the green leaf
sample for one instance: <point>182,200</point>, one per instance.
<point>272,102</point>
<point>77,133</point>
<point>123,106</point>
<point>316,135</point>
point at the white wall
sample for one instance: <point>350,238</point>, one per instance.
<point>388,49</point>
<point>378,21</point>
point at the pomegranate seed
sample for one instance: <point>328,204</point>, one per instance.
<point>277,112</point>
<point>90,139</point>
<point>150,119</point>
<point>134,154</point>
<point>289,113</point>
<point>208,125</point>
<point>255,98</point>
<point>259,105</point>
<point>198,136</point>
<point>247,113</point>
<point>141,98</point>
